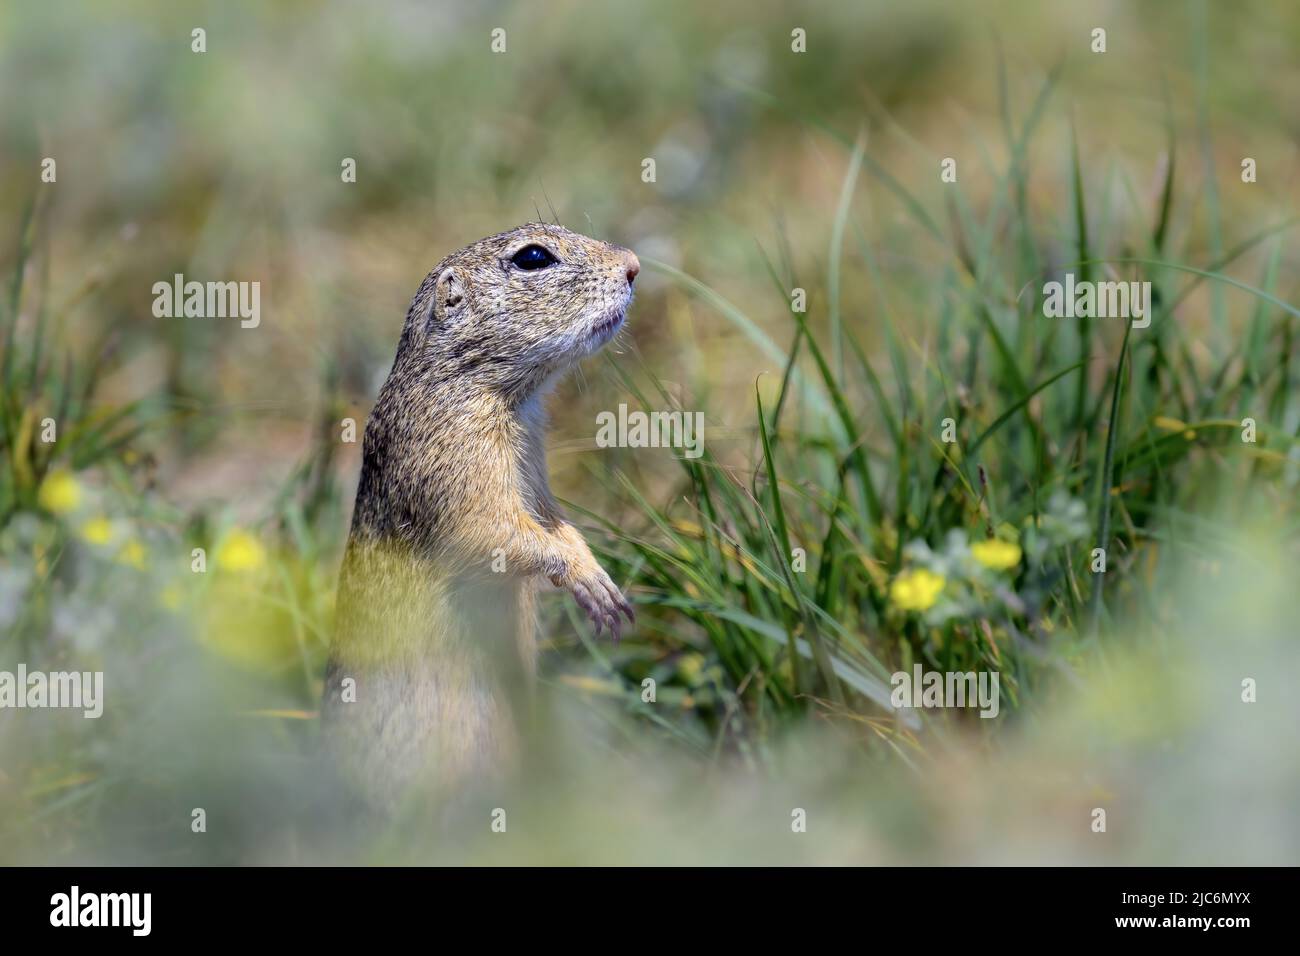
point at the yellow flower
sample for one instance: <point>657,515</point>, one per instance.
<point>690,667</point>
<point>235,620</point>
<point>240,551</point>
<point>916,590</point>
<point>59,493</point>
<point>171,597</point>
<point>995,554</point>
<point>97,531</point>
<point>132,554</point>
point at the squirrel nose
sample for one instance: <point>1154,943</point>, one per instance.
<point>633,267</point>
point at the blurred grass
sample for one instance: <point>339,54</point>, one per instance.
<point>823,428</point>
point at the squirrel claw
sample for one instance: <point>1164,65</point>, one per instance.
<point>620,602</point>
<point>602,602</point>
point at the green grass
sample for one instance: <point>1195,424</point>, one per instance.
<point>847,463</point>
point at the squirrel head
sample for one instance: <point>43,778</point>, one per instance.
<point>514,310</point>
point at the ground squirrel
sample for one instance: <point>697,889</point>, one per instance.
<point>454,524</point>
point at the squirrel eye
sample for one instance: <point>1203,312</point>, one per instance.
<point>533,257</point>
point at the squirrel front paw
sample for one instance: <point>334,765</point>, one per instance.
<point>600,598</point>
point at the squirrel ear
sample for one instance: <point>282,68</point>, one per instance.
<point>448,293</point>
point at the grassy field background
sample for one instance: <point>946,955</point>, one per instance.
<point>824,435</point>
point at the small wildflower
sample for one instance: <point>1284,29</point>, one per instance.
<point>60,493</point>
<point>171,597</point>
<point>97,531</point>
<point>240,551</point>
<point>690,667</point>
<point>916,590</point>
<point>132,554</point>
<point>995,554</point>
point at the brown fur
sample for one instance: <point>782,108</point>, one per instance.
<point>454,476</point>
